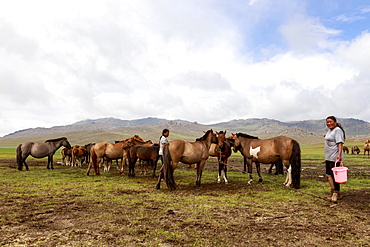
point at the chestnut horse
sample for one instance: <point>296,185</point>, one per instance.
<point>188,153</point>
<point>221,150</point>
<point>270,151</point>
<point>110,151</point>
<point>78,155</point>
<point>40,150</point>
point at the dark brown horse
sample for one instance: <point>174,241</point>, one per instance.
<point>345,150</point>
<point>88,148</point>
<point>355,149</point>
<point>188,153</point>
<point>221,150</point>
<point>144,153</point>
<point>40,150</point>
<point>270,151</point>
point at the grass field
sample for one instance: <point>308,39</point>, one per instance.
<point>63,207</point>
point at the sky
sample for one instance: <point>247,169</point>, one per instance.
<point>205,61</point>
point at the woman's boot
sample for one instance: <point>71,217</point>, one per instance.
<point>335,196</point>
<point>331,195</point>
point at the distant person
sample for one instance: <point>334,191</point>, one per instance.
<point>162,141</point>
<point>333,147</point>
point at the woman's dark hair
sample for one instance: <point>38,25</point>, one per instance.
<point>163,132</point>
<point>338,124</point>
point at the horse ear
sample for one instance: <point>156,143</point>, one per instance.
<point>225,132</point>
<point>217,133</point>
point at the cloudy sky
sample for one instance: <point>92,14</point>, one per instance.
<point>198,60</point>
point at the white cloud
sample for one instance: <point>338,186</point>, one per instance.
<point>69,61</point>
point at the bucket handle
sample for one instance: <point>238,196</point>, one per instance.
<point>340,163</point>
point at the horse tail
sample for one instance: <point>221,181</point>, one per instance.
<point>168,169</point>
<point>19,157</point>
<point>295,162</point>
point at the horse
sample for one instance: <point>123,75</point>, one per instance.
<point>355,149</point>
<point>345,150</point>
<point>110,151</point>
<point>144,153</point>
<point>187,152</point>
<point>78,155</point>
<point>269,151</point>
<point>221,150</point>
<point>367,148</point>
<point>66,156</point>
<point>40,150</point>
<point>88,148</point>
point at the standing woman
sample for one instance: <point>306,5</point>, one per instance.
<point>334,140</point>
<point>162,141</point>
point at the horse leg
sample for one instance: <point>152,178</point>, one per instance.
<point>50,162</point>
<point>270,169</point>
<point>224,161</point>
<point>25,164</point>
<point>245,164</point>
<point>258,166</point>
<point>249,163</point>
<point>160,177</point>
<point>154,167</point>
<point>219,171</point>
<point>200,166</point>
<point>288,180</point>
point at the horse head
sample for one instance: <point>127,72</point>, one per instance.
<point>237,142</point>
<point>129,143</point>
<point>66,143</point>
<point>221,138</point>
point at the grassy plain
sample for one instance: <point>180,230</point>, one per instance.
<point>63,207</point>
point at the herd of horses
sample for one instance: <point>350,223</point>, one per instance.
<point>356,149</point>
<point>277,150</point>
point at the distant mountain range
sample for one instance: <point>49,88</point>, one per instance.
<point>262,127</point>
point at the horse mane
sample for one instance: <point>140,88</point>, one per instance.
<point>204,137</point>
<point>57,139</point>
<point>246,136</point>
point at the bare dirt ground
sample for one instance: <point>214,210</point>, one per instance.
<point>73,220</point>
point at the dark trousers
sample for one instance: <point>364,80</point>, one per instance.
<point>329,172</point>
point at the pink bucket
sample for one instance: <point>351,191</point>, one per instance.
<point>340,174</point>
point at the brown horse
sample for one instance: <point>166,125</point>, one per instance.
<point>144,153</point>
<point>345,150</point>
<point>270,151</point>
<point>221,150</point>
<point>367,148</point>
<point>187,152</point>
<point>40,150</point>
<point>78,155</point>
<point>110,151</point>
